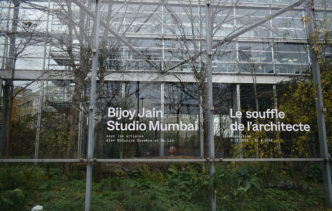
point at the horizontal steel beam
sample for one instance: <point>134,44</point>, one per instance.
<point>150,76</point>
<point>152,160</point>
<point>271,159</point>
<point>41,160</point>
<point>166,160</point>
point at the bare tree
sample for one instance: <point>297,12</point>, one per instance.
<point>21,35</point>
<point>75,43</point>
<point>186,26</point>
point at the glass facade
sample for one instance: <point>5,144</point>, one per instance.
<point>151,59</point>
<point>143,127</point>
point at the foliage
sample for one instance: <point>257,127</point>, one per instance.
<point>17,184</point>
<point>22,136</point>
<point>180,187</point>
<point>53,136</point>
<point>264,187</point>
<point>297,100</point>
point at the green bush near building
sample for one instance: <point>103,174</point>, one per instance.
<point>177,187</point>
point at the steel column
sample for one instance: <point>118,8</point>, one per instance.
<point>210,101</point>
<point>162,107</point>
<point>326,169</point>
<point>41,92</point>
<point>92,112</point>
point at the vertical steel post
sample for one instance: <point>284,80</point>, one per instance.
<point>210,101</point>
<point>5,48</point>
<point>162,86</point>
<point>41,92</point>
<point>201,130</point>
<point>238,107</point>
<point>326,169</point>
<point>3,92</point>
<point>162,107</point>
<point>92,112</point>
<point>123,94</point>
<point>40,101</point>
<point>9,83</point>
<point>80,129</point>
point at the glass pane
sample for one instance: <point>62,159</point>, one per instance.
<point>181,107</point>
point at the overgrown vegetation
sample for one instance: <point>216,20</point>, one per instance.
<point>176,187</point>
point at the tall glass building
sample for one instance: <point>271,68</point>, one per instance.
<point>151,91</point>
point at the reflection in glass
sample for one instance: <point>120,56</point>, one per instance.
<point>223,100</point>
<point>139,98</point>
<point>181,105</point>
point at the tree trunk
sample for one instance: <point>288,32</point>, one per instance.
<point>10,66</point>
<point>72,120</point>
<point>3,136</point>
<point>9,117</point>
<point>205,120</point>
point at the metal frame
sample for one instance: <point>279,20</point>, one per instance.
<point>166,160</point>
<point>92,110</point>
<point>325,158</point>
<point>320,109</point>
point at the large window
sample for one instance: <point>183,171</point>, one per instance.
<point>291,58</point>
<point>255,57</point>
<point>182,105</point>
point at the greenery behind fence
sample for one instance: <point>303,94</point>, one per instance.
<point>255,186</point>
